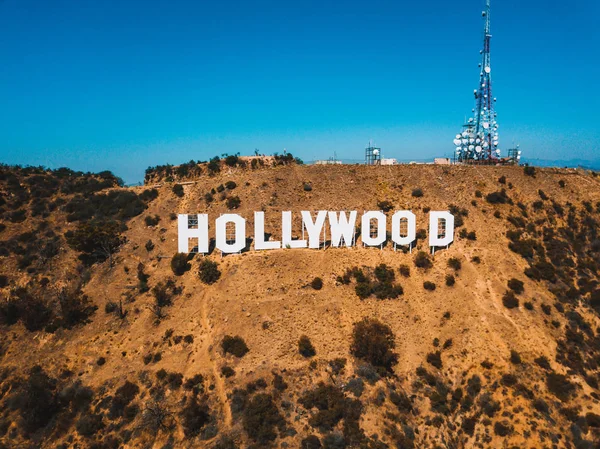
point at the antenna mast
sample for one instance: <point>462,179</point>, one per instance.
<point>478,142</point>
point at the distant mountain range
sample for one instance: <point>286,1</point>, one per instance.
<point>572,163</point>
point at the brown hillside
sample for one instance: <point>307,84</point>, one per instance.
<point>475,367</point>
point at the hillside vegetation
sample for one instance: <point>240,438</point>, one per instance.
<point>109,338</point>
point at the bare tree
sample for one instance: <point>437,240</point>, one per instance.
<point>157,416</point>
<point>157,311</point>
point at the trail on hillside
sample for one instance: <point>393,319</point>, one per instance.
<point>219,384</point>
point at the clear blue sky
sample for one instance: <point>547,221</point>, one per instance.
<point>121,85</point>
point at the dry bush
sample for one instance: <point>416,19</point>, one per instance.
<point>261,418</point>
<point>305,347</point>
<point>422,260</point>
<point>373,342</point>
<point>317,283</point>
<point>180,264</point>
<point>235,346</point>
<point>509,300</point>
<point>208,271</point>
<point>428,285</point>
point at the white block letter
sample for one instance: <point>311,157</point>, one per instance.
<point>259,234</point>
<point>184,233</point>
<point>435,239</point>
<point>411,225</point>
<point>240,233</point>
<point>342,227</point>
<point>286,232</point>
<point>366,228</point>
<point>313,229</point>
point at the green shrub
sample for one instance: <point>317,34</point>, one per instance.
<point>497,197</point>
<point>404,270</point>
<point>307,187</point>
<point>97,241</point>
<point>310,442</point>
<point>503,428</point>
<point>305,347</point>
<point>89,424</point>
<point>417,193</point>
<point>227,371</point>
<point>560,386</point>
<point>232,160</point>
<point>208,271</point>
<point>450,280</point>
<point>235,346</point>
<point>317,283</point>
<point>178,190</point>
<point>151,221</point>
<point>435,359</point>
<point>164,292</point>
<point>529,171</point>
<point>373,341</point>
<point>230,185</point>
<point>180,264</point>
<point>122,398</point>
<point>427,285</point>
<point>261,418</point>
<point>516,285</point>
<point>149,245</point>
<point>385,206</point>
<point>363,289</point>
<point>195,415</point>
<point>233,202</point>
<point>214,166</point>
<point>195,384</point>
<point>422,260</point>
<point>515,357</point>
<point>454,263</point>
<point>37,400</point>
<point>509,300</point>
<point>384,274</point>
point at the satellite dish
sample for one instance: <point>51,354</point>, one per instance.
<point>486,125</point>
<point>478,148</point>
<point>487,70</point>
<point>465,134</point>
<point>471,147</point>
<point>375,152</point>
<point>519,153</point>
<point>457,142</point>
<point>458,136</point>
<point>458,149</point>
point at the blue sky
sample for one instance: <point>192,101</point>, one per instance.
<point>122,85</point>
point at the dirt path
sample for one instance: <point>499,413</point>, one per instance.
<point>219,384</point>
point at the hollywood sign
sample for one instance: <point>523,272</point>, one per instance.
<point>230,230</point>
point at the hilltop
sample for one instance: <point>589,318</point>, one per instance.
<point>109,339</point>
